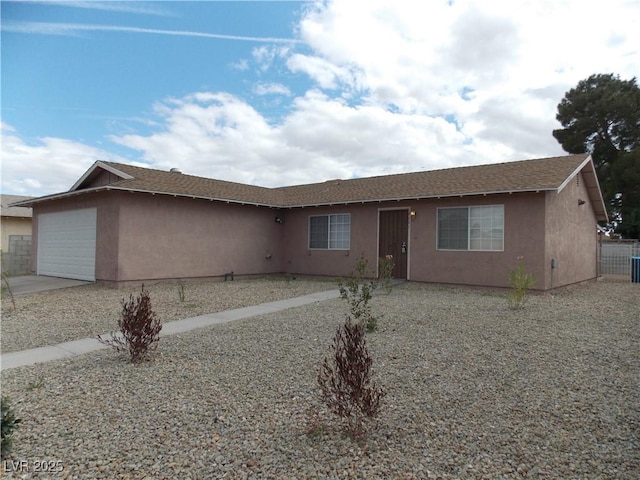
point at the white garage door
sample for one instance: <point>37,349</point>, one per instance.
<point>67,244</point>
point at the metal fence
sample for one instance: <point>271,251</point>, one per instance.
<point>615,258</point>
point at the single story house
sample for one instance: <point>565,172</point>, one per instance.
<point>122,223</point>
<point>16,235</point>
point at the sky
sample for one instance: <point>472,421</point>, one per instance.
<point>275,93</point>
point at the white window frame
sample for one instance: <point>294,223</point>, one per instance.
<point>471,220</point>
<point>331,242</point>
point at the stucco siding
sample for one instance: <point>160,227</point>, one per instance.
<point>14,226</point>
<point>571,236</point>
<point>143,237</point>
<point>163,237</point>
<point>300,259</point>
<point>523,236</point>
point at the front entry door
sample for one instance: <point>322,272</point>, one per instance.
<point>394,239</point>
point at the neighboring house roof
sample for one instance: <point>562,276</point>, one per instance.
<point>546,174</point>
<point>19,212</point>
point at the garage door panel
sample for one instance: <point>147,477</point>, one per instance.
<point>67,244</point>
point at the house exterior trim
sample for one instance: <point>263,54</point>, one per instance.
<point>94,167</point>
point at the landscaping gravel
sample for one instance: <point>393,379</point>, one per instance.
<point>473,390</point>
<point>58,316</point>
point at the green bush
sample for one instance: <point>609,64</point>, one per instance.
<point>181,293</point>
<point>9,424</point>
<point>385,269</point>
<point>357,291</point>
<point>520,282</point>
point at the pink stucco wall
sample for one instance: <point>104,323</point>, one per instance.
<point>164,237</point>
<point>151,237</point>
<point>571,236</point>
<point>524,236</point>
<point>538,226</point>
<point>299,259</point>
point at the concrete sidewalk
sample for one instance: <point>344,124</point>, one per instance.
<point>39,283</point>
<point>86,345</point>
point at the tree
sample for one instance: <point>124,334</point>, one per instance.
<point>626,178</point>
<point>601,116</point>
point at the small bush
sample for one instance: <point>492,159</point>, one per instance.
<point>345,379</point>
<point>357,291</point>
<point>385,271</point>
<point>6,290</point>
<point>35,385</point>
<point>520,282</point>
<point>139,328</point>
<point>181,293</point>
<point>9,424</point>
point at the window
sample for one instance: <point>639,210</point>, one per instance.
<point>453,226</point>
<point>471,228</point>
<point>332,232</point>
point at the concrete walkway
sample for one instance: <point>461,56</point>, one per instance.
<point>39,283</point>
<point>86,345</point>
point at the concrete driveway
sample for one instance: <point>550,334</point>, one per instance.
<point>38,283</point>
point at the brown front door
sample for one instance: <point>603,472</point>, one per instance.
<point>394,239</point>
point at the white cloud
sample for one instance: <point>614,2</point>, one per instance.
<point>219,135</point>
<point>424,52</point>
<point>396,86</point>
<point>326,74</point>
<point>271,89</point>
<point>47,166</point>
<point>241,65</point>
<point>265,56</point>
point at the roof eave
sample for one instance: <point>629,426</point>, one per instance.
<point>593,188</point>
<point>199,197</point>
<point>56,196</point>
<point>418,197</point>
<point>16,216</point>
<point>73,193</point>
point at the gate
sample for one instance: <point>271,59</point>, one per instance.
<point>615,258</point>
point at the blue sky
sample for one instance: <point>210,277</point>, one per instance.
<point>68,74</point>
<point>280,93</point>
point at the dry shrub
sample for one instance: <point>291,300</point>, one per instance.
<point>139,328</point>
<point>345,379</point>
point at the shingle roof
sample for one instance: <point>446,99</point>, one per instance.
<point>526,175</point>
<point>159,181</point>
<point>520,176</point>
<point>19,212</point>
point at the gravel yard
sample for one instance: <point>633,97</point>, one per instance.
<point>58,316</point>
<point>474,390</point>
